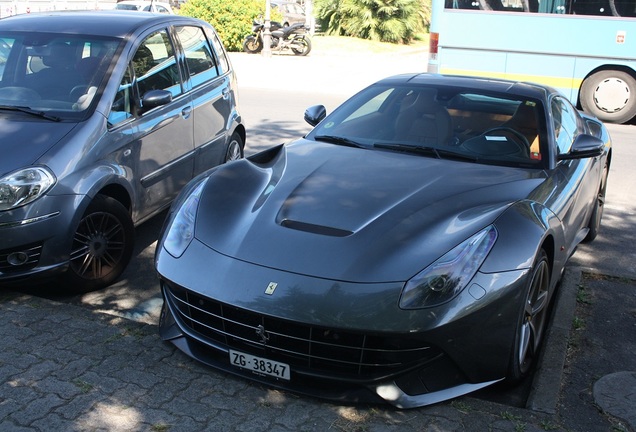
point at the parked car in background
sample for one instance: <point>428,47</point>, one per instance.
<point>100,128</point>
<point>406,250</point>
<point>292,12</point>
<point>144,6</point>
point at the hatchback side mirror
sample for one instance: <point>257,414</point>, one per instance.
<point>155,98</point>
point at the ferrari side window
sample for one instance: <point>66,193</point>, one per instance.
<point>564,124</point>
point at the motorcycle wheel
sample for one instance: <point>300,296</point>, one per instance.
<point>252,44</point>
<point>301,45</point>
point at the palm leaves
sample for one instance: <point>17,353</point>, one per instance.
<point>397,21</point>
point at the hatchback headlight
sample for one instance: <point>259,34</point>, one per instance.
<point>449,275</point>
<point>180,229</point>
<point>24,186</point>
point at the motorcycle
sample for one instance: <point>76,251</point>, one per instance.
<point>292,37</point>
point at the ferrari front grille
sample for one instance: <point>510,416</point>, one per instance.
<point>313,349</point>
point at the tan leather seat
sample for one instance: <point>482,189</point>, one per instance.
<point>423,120</point>
<point>524,121</point>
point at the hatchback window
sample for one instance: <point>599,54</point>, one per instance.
<point>198,53</point>
<point>223,63</point>
<point>155,65</point>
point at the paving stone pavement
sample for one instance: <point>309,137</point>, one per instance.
<point>68,368</point>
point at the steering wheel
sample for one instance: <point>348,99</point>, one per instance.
<point>521,141</point>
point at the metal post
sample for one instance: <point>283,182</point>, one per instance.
<point>267,35</point>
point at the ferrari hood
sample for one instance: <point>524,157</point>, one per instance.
<point>351,214</point>
<point>23,140</point>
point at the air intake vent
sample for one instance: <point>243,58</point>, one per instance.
<point>315,229</point>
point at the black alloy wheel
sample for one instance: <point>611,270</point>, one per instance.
<point>102,245</point>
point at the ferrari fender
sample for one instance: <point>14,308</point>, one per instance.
<point>522,230</point>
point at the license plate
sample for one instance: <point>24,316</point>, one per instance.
<point>260,365</point>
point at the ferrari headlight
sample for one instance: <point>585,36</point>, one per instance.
<point>24,186</point>
<point>180,231</point>
<point>449,275</point>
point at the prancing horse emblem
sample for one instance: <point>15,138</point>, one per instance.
<point>262,333</point>
<point>271,288</point>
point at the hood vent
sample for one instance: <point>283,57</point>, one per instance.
<point>315,229</point>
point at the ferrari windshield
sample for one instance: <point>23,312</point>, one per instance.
<point>463,124</point>
<point>52,75</point>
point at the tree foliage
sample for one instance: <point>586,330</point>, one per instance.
<point>231,19</point>
<point>396,21</point>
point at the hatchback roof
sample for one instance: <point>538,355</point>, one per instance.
<point>99,23</point>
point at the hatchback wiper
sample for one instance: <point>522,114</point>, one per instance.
<point>27,110</point>
<point>338,140</point>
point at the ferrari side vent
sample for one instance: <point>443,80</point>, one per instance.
<point>309,349</point>
<point>316,229</point>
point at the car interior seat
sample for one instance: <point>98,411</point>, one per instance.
<point>423,120</point>
<point>58,78</point>
<point>524,121</point>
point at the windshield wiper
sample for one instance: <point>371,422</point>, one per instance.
<point>429,151</point>
<point>450,154</point>
<point>338,140</point>
<point>27,110</point>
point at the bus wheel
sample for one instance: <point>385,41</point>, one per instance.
<point>610,95</point>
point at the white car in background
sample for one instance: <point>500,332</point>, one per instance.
<point>146,6</point>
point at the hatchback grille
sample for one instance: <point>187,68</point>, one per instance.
<point>313,349</point>
<point>24,258</point>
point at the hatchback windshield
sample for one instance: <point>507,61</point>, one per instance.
<point>464,124</point>
<point>54,74</point>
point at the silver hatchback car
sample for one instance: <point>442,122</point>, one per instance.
<point>104,116</point>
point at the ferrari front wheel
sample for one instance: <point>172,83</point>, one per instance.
<point>532,320</point>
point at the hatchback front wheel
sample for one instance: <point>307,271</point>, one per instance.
<point>102,245</point>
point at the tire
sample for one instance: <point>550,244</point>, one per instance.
<point>610,95</point>
<point>594,223</point>
<point>234,148</point>
<point>252,44</point>
<point>534,314</point>
<point>301,45</point>
<point>102,245</point>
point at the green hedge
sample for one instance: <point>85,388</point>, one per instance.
<point>232,19</point>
